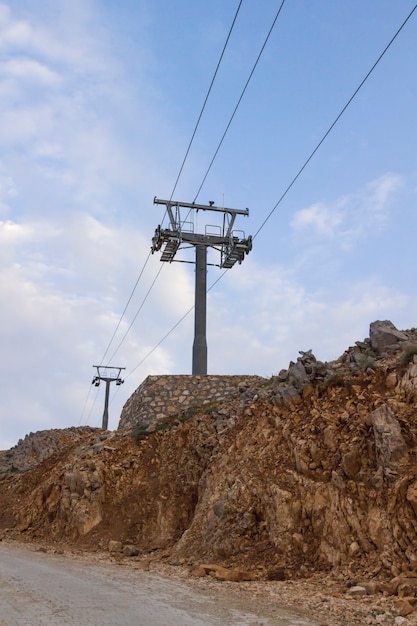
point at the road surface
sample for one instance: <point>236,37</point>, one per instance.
<point>38,589</point>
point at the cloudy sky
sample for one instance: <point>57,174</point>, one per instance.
<point>99,101</point>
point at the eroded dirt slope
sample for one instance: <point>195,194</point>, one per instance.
<point>285,485</point>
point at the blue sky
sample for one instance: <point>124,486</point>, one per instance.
<point>98,104</point>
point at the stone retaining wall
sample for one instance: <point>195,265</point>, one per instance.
<point>161,396</point>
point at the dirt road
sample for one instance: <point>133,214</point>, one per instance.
<point>51,590</point>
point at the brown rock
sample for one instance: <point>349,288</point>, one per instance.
<point>391,588</point>
<point>130,550</point>
<point>115,546</point>
<point>371,587</point>
<point>198,572</point>
<point>352,463</point>
<point>391,449</point>
<point>354,549</point>
<point>391,380</point>
<point>407,588</point>
<point>412,496</point>
<point>223,573</point>
<point>357,591</point>
<point>403,607</point>
<point>279,573</point>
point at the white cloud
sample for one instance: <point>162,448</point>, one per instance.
<point>65,36</point>
<point>7,192</point>
<point>30,69</point>
<point>12,32</point>
<point>281,316</point>
<point>380,193</point>
<point>320,218</point>
<point>61,287</point>
<point>87,142</point>
<point>349,218</point>
<point>11,235</point>
<point>70,252</point>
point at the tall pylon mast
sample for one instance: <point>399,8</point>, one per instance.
<point>226,240</point>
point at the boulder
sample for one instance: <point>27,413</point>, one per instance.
<point>115,546</point>
<point>130,550</point>
<point>385,338</point>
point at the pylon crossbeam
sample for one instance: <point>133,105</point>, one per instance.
<point>232,250</point>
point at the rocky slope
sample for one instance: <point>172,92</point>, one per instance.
<point>36,447</point>
<point>314,471</point>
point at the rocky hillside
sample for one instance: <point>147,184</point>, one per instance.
<point>36,447</point>
<point>314,470</point>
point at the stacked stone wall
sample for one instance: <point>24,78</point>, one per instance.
<point>159,397</point>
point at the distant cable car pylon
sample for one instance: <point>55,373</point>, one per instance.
<point>232,249</point>
<point>109,375</point>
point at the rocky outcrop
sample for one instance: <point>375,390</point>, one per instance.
<point>160,397</point>
<point>36,447</point>
<point>390,448</point>
<point>293,384</point>
<point>75,499</point>
<point>407,383</point>
<point>385,338</point>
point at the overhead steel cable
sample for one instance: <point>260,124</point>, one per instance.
<point>240,100</point>
<point>166,335</point>
<point>125,335</point>
<point>175,186</point>
<point>295,177</point>
<point>203,107</point>
<point>161,341</point>
<point>327,133</point>
<point>137,313</point>
<point>112,338</point>
<point>206,98</point>
<point>93,405</point>
<point>80,421</point>
<point>85,405</point>
<point>124,310</point>
<point>173,328</point>
<point>172,193</point>
<point>221,141</point>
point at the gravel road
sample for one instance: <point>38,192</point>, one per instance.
<point>52,590</point>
